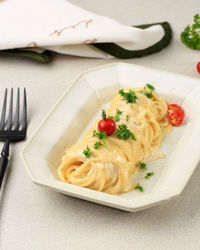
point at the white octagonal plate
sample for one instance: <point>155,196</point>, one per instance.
<point>78,108</point>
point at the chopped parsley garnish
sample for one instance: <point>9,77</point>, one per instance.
<point>124,133</point>
<point>129,97</point>
<point>87,152</point>
<point>148,94</point>
<point>118,112</point>
<point>116,118</point>
<point>101,135</point>
<point>148,85</point>
<point>144,92</point>
<point>139,187</point>
<point>149,175</point>
<point>127,117</point>
<point>143,165</point>
<point>98,144</point>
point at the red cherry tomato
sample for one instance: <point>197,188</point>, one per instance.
<point>198,67</point>
<point>176,117</point>
<point>108,125</point>
<point>173,107</point>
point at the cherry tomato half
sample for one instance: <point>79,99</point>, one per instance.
<point>198,67</point>
<point>176,117</point>
<point>107,125</point>
<point>173,107</point>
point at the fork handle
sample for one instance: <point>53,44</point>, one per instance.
<point>4,161</point>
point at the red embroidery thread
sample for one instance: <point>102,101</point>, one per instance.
<point>90,41</point>
<point>32,44</point>
<point>58,32</point>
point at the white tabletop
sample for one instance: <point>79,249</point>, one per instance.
<point>32,217</point>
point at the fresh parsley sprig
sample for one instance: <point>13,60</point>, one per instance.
<point>139,187</point>
<point>143,165</point>
<point>116,118</point>
<point>191,35</point>
<point>129,97</point>
<point>149,175</point>
<point>98,144</point>
<point>101,135</point>
<point>148,94</point>
<point>124,133</point>
<point>151,87</point>
<point>87,152</point>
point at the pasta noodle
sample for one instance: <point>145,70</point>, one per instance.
<point>111,167</point>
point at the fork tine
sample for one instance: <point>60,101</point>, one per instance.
<point>3,113</point>
<point>16,125</point>
<point>24,115</point>
<point>10,111</point>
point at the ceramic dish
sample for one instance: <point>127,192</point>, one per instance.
<point>79,107</point>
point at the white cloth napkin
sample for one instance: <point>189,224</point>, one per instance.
<point>60,26</point>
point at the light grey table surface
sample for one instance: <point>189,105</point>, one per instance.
<point>32,217</point>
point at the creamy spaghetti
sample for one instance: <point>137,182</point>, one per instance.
<point>112,166</point>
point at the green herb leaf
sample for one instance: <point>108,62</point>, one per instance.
<point>98,144</point>
<point>118,112</point>
<point>101,134</point>
<point>87,152</point>
<point>117,116</point>
<point>129,97</point>
<point>143,165</point>
<point>150,86</point>
<point>148,94</point>
<point>191,35</point>
<point>139,187</point>
<point>124,133</point>
<point>127,117</point>
<point>149,175</point>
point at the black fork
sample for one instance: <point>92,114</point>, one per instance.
<point>10,132</point>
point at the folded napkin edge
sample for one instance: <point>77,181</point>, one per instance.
<point>119,52</point>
